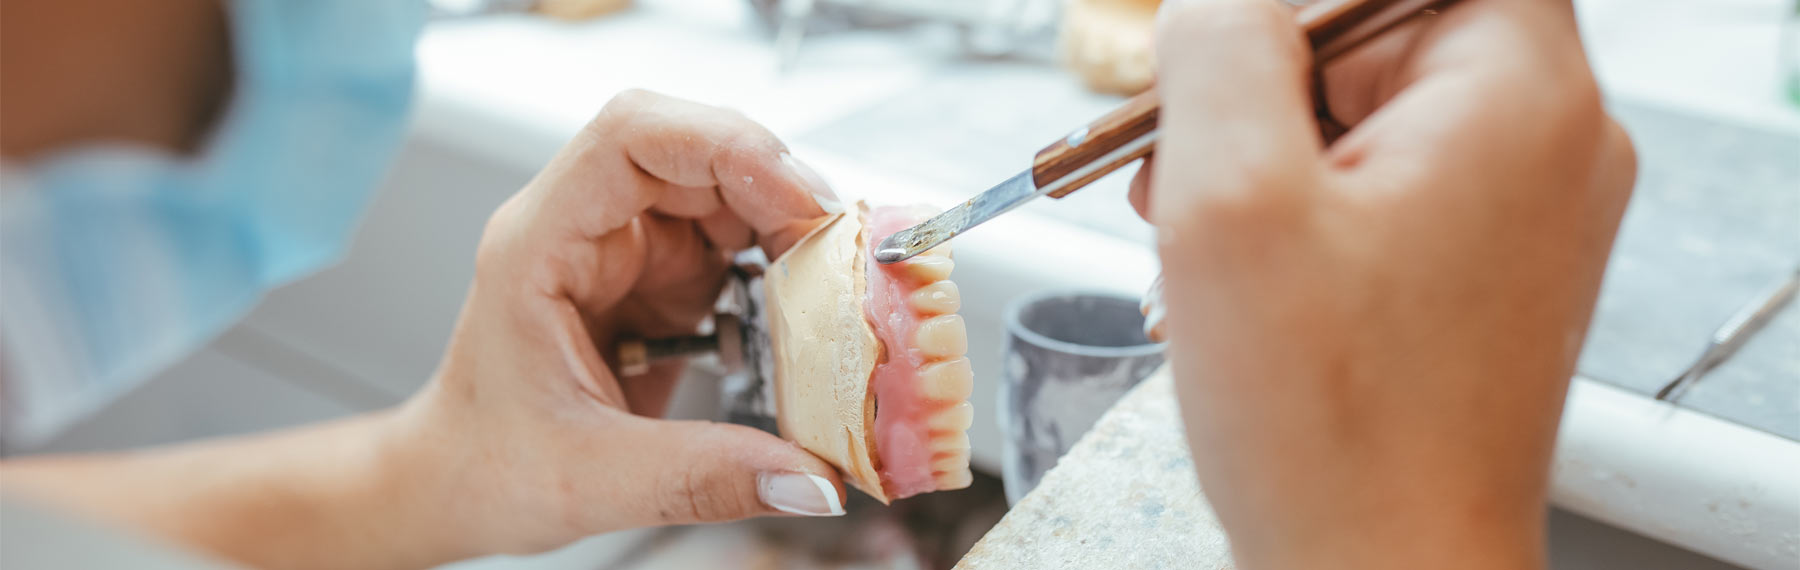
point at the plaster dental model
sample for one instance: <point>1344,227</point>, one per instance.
<point>870,372</point>
<point>1108,43</point>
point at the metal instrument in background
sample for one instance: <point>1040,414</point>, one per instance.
<point>738,337</point>
<point>727,340</point>
<point>985,28</point>
<point>1129,133</point>
<point>1733,334</point>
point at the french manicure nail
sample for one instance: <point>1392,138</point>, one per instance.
<point>799,493</point>
<point>1154,311</point>
<point>828,200</point>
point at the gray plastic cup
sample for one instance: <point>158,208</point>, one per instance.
<point>1069,356</point>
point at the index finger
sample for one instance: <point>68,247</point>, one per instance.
<point>644,147</point>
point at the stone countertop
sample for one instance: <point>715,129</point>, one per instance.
<point>1091,511</point>
<point>1126,496</point>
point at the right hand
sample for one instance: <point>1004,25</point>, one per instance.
<point>1372,337</point>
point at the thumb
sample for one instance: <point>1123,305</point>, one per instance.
<point>697,471</point>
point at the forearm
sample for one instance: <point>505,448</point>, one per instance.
<point>345,494</point>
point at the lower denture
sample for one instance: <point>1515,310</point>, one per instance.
<point>905,441</point>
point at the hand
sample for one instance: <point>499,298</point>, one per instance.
<point>1372,337</point>
<point>627,232</point>
<point>524,439</point>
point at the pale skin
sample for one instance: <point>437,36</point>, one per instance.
<point>1371,337</point>
<point>524,439</point>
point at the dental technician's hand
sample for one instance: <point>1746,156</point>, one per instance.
<point>628,232</point>
<point>1372,338</point>
<point>525,439</point>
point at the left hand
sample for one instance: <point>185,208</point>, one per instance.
<point>524,439</point>
<point>628,232</point>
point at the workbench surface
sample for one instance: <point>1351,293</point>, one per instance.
<point>1124,497</point>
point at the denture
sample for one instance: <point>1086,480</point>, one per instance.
<point>870,366</point>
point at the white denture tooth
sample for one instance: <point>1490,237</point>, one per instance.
<point>954,418</point>
<point>929,268</point>
<point>942,336</point>
<point>950,443</point>
<point>940,298</point>
<point>952,480</point>
<point>949,381</point>
<point>947,462</point>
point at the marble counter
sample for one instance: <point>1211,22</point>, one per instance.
<point>1124,497</point>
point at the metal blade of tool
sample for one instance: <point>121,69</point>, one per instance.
<point>1012,193</point>
<point>1129,133</point>
<point>1733,334</point>
<point>1059,169</point>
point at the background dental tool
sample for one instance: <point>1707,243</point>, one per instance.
<point>1733,334</point>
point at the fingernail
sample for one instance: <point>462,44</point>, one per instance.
<point>1154,311</point>
<point>799,493</point>
<point>828,200</point>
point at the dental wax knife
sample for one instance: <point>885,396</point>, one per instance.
<point>1129,133</point>
<point>1733,334</point>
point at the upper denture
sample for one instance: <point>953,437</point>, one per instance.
<point>868,360</point>
<point>923,379</point>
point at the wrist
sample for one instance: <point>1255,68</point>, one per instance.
<point>1440,537</point>
<point>422,476</point>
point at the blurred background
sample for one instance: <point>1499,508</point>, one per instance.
<point>933,100</point>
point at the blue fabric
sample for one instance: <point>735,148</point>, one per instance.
<point>120,260</point>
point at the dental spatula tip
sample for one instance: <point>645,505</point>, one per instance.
<point>890,254</point>
<point>905,244</point>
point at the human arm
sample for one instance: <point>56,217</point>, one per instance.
<point>1372,336</point>
<point>524,439</point>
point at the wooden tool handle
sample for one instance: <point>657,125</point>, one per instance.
<point>1128,133</point>
<point>1086,149</point>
